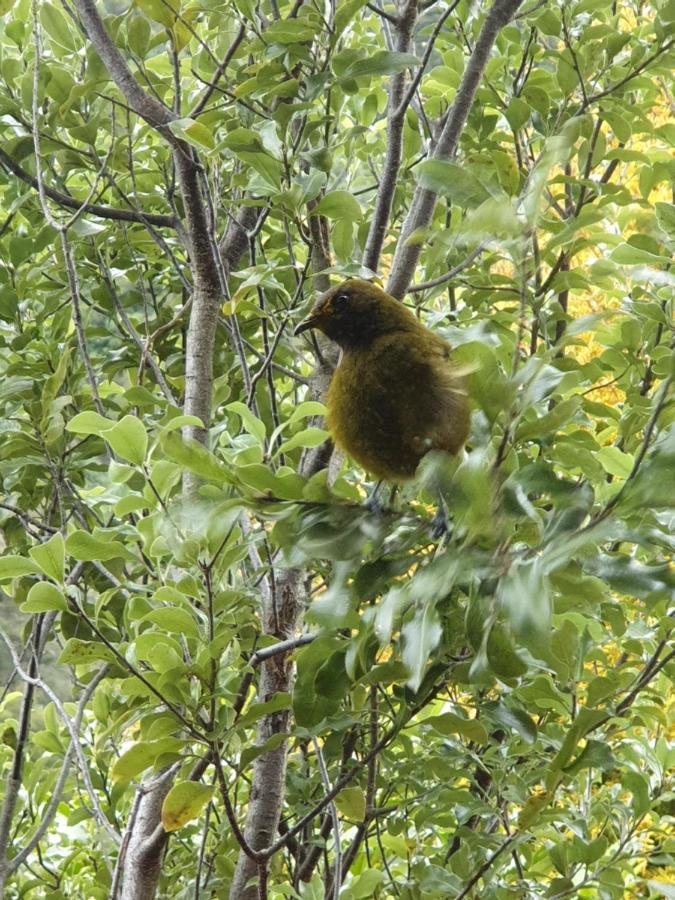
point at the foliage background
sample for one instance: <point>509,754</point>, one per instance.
<point>494,707</point>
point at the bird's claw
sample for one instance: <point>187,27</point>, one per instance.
<point>439,524</point>
<point>375,506</point>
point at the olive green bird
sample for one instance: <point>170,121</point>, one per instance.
<point>395,395</point>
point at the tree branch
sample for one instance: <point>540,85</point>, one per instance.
<point>57,791</point>
<point>396,107</point>
<point>424,200</point>
<point>93,209</point>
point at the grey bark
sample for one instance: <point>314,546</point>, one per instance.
<point>424,201</point>
<point>282,607</point>
<point>269,770</point>
<point>14,776</point>
<point>396,110</point>
<point>145,841</point>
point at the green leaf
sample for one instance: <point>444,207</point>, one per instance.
<point>637,784</point>
<point>630,255</point>
<point>323,659</point>
<point>585,720</point>
<point>454,181</point>
<point>195,133</point>
<point>50,556</point>
<point>339,205</point>
<point>308,437</point>
<point>665,217</point>
<point>138,35</point>
<point>250,422</point>
<point>503,659</point>
<point>257,711</point>
<point>364,886</point>
<point>184,802</point>
<point>174,620</point>
<point>266,483</point>
<point>351,801</point>
<point>525,595</point>
<point>592,851</point>
<point>290,31</point>
<point>196,458</point>
<point>517,113</point>
<point>420,638</point>
<point>141,756</point>
<point>157,11</point>
<point>130,504</point>
<point>89,422</point>
<point>56,26</point>
<point>346,11</point>
<point>253,751</point>
<point>84,546</point>
<point>615,461</point>
<point>382,62</point>
<point>595,755</point>
<point>77,652</point>
<point>343,239</point>
<point>516,719</point>
<point>307,409</point>
<point>551,422</point>
<point>128,439</point>
<point>449,723</point>
<point>13,566</point>
<point>44,597</point>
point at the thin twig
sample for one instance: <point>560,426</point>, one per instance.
<point>332,811</point>
<point>442,279</point>
<point>74,737</point>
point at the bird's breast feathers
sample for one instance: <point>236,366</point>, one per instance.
<point>391,402</point>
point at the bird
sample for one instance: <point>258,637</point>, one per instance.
<point>395,394</point>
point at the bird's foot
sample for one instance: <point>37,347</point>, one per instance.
<point>440,526</point>
<point>373,503</point>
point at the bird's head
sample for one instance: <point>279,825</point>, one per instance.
<point>355,312</point>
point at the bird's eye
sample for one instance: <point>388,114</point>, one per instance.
<point>340,301</point>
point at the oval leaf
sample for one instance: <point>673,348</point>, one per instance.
<point>13,566</point>
<point>184,802</point>
<point>50,556</point>
<point>44,597</point>
<point>128,439</point>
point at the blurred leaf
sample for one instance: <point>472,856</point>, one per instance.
<point>250,422</point>
<point>321,661</point>
<point>517,719</point>
<point>501,654</point>
<point>382,62</point>
<point>595,755</point>
<point>420,638</point>
<point>454,181</point>
<point>449,723</point>
<point>351,801</point>
<point>195,458</point>
<point>525,596</point>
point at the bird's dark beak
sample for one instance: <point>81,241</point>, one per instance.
<point>305,325</point>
